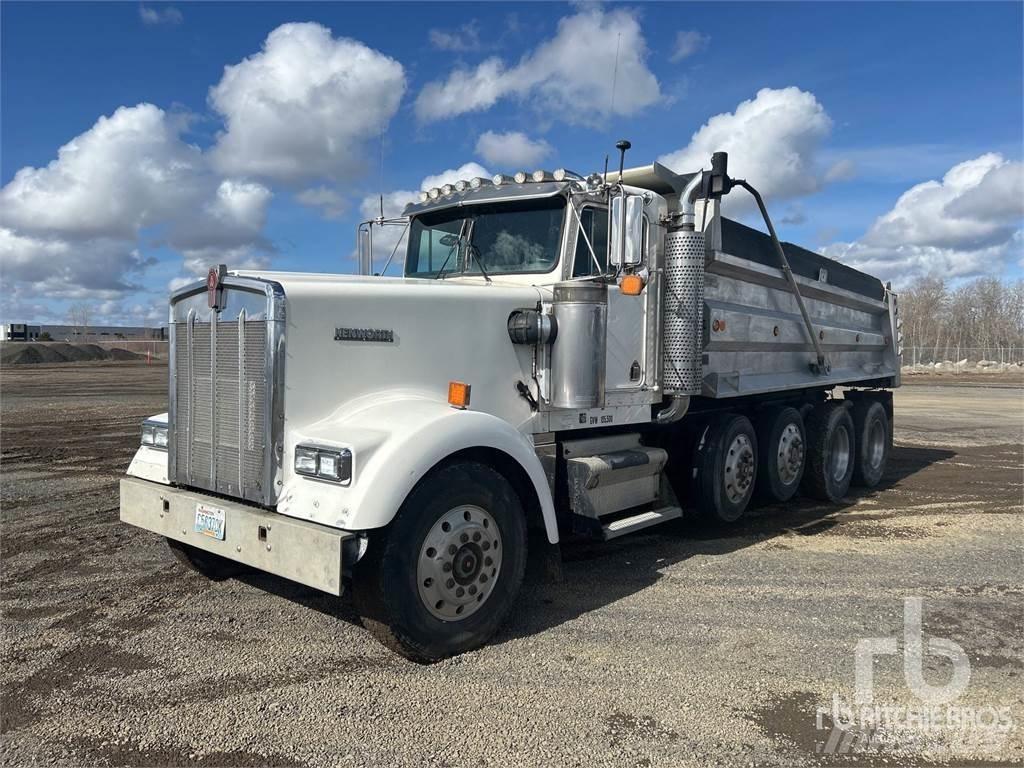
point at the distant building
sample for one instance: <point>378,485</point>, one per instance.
<point>19,332</point>
<point>23,332</point>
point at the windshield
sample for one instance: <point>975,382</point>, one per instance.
<point>506,238</point>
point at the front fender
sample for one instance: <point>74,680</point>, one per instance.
<point>150,463</point>
<point>394,444</point>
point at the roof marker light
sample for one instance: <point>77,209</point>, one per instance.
<point>500,178</point>
<point>560,174</point>
<point>477,181</point>
<point>424,197</point>
<point>541,176</point>
<point>461,185</point>
<point>447,189</point>
<point>434,193</point>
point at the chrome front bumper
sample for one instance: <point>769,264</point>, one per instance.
<point>301,551</point>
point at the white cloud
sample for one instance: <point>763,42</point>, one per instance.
<point>966,224</point>
<point>54,268</point>
<point>511,150</point>
<point>154,16</point>
<point>330,204</point>
<point>304,107</point>
<point>450,176</point>
<point>561,77</point>
<point>74,226</point>
<point>128,171</point>
<point>688,42</point>
<point>772,140</point>
<point>386,239</point>
<point>977,204</point>
<point>300,109</point>
<point>462,40</point>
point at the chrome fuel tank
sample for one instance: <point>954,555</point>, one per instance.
<point>578,353</point>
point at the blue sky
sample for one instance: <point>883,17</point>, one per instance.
<point>848,106</point>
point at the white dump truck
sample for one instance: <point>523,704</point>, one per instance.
<point>557,356</point>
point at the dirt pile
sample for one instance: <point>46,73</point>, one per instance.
<point>29,353</point>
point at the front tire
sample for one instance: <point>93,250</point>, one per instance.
<point>830,451</point>
<point>442,577</point>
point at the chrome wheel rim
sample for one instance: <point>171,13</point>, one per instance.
<point>876,444</point>
<point>839,458</point>
<point>739,468</point>
<point>459,563</point>
<point>791,454</point>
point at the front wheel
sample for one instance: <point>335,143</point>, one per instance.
<point>442,577</point>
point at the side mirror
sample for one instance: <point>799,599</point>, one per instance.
<point>627,230</point>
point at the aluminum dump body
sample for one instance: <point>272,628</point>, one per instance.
<point>754,338</point>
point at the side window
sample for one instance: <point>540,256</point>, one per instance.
<point>595,224</point>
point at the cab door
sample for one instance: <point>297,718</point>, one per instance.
<point>625,362</point>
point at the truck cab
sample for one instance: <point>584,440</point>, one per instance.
<point>555,355</point>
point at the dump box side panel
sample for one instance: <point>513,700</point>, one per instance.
<point>755,341</point>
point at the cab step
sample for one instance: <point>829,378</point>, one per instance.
<point>638,522</point>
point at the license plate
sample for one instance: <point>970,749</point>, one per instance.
<point>210,521</point>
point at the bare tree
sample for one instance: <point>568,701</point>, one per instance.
<point>79,315</point>
<point>980,318</point>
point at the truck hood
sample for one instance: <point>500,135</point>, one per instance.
<point>351,339</point>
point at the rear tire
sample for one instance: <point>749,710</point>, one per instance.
<point>213,567</point>
<point>831,451</point>
<point>782,447</point>
<point>440,579</point>
<point>874,442</point>
<point>726,462</point>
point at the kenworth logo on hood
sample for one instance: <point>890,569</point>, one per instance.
<point>385,335</point>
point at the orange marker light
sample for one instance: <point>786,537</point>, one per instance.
<point>631,285</point>
<point>458,394</point>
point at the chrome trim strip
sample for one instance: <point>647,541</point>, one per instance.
<point>172,397</point>
<point>241,395</point>
<point>190,427</point>
<point>214,319</point>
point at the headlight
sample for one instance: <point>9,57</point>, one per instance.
<point>325,463</point>
<point>305,461</point>
<point>154,434</point>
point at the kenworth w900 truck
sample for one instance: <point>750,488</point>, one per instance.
<point>575,356</point>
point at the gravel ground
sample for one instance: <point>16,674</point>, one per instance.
<point>672,648</point>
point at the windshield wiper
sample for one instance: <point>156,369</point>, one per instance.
<point>475,253</point>
<point>447,258</point>
<point>454,247</point>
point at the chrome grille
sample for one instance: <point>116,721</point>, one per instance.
<point>222,405</point>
